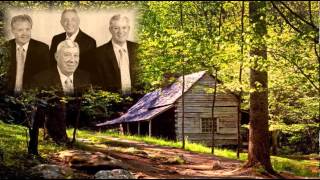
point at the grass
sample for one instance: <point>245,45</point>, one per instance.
<point>14,147</point>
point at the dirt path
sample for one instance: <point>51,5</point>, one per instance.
<point>147,161</point>
<point>151,161</point>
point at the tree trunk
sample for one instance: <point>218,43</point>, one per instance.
<point>240,82</point>
<point>258,150</point>
<point>183,80</point>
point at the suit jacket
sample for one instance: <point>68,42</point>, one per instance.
<point>107,74</point>
<point>37,59</point>
<point>86,44</point>
<point>55,109</point>
<point>50,80</point>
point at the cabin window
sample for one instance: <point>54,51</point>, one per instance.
<point>206,125</point>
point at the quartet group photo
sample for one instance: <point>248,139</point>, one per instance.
<point>68,53</point>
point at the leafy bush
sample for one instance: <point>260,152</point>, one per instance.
<point>97,104</point>
<point>298,138</point>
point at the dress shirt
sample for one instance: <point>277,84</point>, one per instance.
<point>64,80</point>
<point>20,65</point>
<point>73,37</point>
<point>122,56</point>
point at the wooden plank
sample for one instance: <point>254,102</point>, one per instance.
<point>198,119</point>
<point>188,130</point>
<point>217,142</point>
<point>207,97</point>
<point>201,92</point>
<point>150,133</point>
<point>227,116</point>
<point>199,135</point>
<point>208,139</point>
<point>197,125</point>
<point>128,129</point>
<point>228,124</point>
<point>228,130</point>
<point>202,98</point>
<point>223,116</point>
<point>207,113</point>
<point>196,103</point>
<point>206,109</point>
<point>198,106</point>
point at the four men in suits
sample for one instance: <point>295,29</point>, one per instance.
<point>26,56</point>
<point>32,65</point>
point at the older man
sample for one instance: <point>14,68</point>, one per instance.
<point>116,66</point>
<point>70,22</point>
<point>26,56</point>
<point>65,79</point>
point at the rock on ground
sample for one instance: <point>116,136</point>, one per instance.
<point>114,174</point>
<point>91,162</point>
<point>49,171</point>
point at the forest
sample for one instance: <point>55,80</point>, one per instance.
<point>265,52</point>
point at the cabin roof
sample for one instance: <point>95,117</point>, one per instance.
<point>157,101</point>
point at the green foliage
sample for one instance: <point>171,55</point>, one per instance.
<point>298,138</point>
<point>297,167</point>
<point>98,103</point>
<point>17,109</point>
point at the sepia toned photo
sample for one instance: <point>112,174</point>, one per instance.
<point>105,34</point>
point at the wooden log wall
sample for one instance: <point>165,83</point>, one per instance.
<point>198,103</point>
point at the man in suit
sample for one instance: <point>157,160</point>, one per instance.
<point>70,22</point>
<point>116,64</point>
<point>26,56</point>
<point>63,79</point>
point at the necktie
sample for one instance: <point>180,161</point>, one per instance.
<point>68,86</point>
<point>20,56</point>
<point>124,72</point>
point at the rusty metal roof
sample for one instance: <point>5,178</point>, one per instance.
<point>157,101</point>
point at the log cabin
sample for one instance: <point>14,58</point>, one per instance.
<point>159,113</point>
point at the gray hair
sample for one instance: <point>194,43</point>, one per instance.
<point>118,17</point>
<point>69,10</point>
<point>23,17</point>
<point>67,44</point>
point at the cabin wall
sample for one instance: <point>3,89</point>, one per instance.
<point>198,104</point>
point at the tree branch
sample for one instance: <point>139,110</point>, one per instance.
<point>310,13</point>
<point>219,30</point>
<point>316,52</point>
<point>298,16</point>
<point>274,54</point>
<point>285,19</point>
<point>315,39</point>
